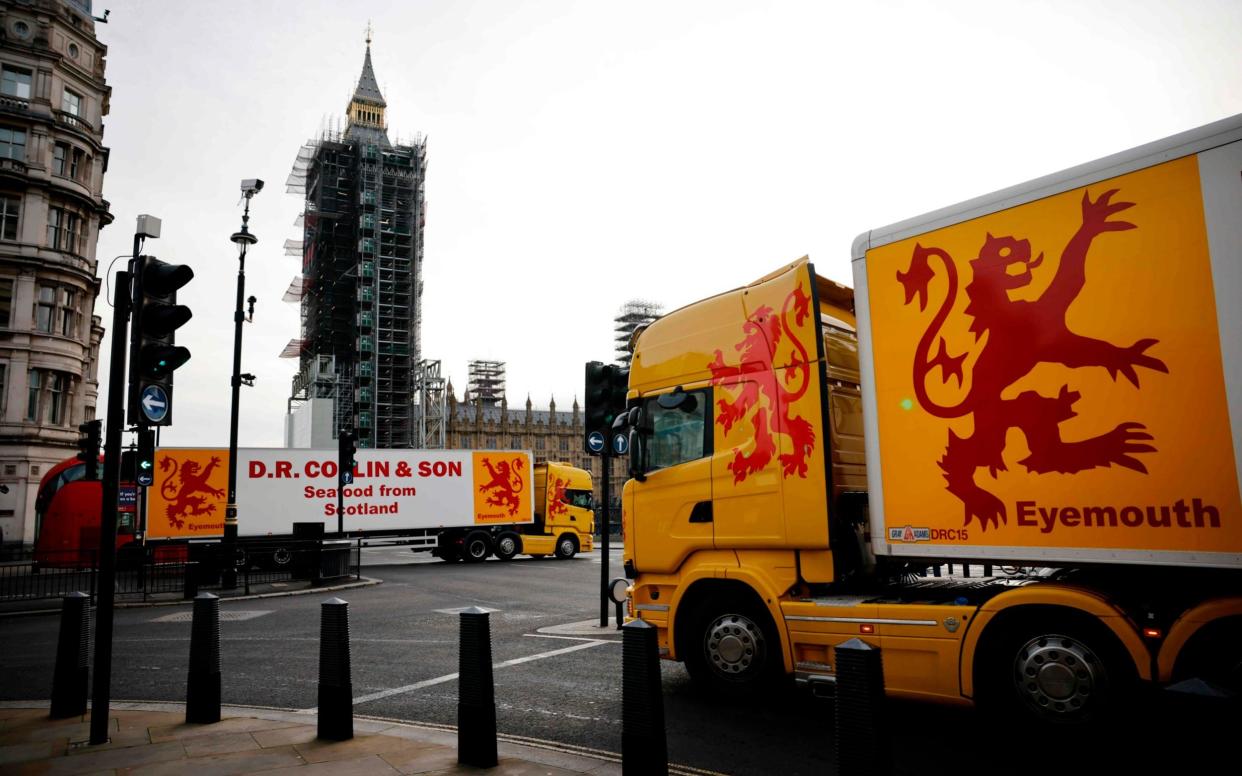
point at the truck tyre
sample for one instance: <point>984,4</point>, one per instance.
<point>566,547</point>
<point>448,554</point>
<point>1214,655</point>
<point>1056,671</point>
<point>508,544</point>
<point>476,547</point>
<point>280,558</point>
<point>731,648</point>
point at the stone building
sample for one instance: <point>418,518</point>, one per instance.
<point>52,161</point>
<point>551,435</point>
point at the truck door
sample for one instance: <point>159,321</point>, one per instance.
<point>672,508</point>
<point>747,508</point>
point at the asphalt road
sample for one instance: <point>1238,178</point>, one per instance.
<point>560,679</point>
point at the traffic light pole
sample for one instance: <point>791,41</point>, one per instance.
<point>605,459</point>
<point>101,694</point>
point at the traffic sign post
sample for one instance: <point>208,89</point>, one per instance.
<point>595,442</point>
<point>154,403</point>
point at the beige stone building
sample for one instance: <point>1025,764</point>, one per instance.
<point>52,161</point>
<point>551,435</point>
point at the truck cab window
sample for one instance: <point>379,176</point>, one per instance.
<point>677,435</point>
<point>578,498</point>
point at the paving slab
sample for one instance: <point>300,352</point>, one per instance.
<point>152,739</point>
<point>253,761</point>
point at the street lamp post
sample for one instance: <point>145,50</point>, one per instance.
<point>243,239</point>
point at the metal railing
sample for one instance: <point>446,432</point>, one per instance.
<point>53,575</point>
<point>164,570</point>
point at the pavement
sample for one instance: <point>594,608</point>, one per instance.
<point>152,739</point>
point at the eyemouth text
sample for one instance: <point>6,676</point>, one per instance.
<point>1196,514</point>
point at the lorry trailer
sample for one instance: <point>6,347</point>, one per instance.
<point>458,504</point>
<point>1047,378</point>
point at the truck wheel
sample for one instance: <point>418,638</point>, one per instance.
<point>732,648</point>
<point>448,554</point>
<point>566,547</point>
<point>508,544</point>
<point>1057,672</point>
<point>476,547</point>
<point>1214,655</point>
<point>281,557</point>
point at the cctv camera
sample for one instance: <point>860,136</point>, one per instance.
<point>251,186</point>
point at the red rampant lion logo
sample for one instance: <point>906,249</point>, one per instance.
<point>556,501</point>
<point>753,384</point>
<point>181,492</point>
<point>506,480</point>
<point>1021,335</point>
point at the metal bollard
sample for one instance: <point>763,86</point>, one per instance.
<point>190,590</point>
<point>936,570</point>
<point>476,699</point>
<point>202,691</point>
<point>987,569</point>
<point>861,740</point>
<point>644,747</point>
<point>336,688</point>
<point>70,678</point>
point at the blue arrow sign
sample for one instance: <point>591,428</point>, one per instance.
<point>154,403</point>
<point>595,441</point>
<point>620,444</point>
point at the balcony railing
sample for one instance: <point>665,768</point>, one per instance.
<point>74,121</point>
<point>14,104</point>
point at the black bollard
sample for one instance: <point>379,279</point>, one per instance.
<point>644,747</point>
<point>202,691</point>
<point>936,570</point>
<point>861,739</point>
<point>190,582</point>
<point>987,569</point>
<point>70,678</point>
<point>336,688</point>
<point>476,700</point>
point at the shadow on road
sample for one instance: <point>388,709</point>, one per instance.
<point>795,734</point>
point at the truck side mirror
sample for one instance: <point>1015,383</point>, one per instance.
<point>673,399</point>
<point>636,456</point>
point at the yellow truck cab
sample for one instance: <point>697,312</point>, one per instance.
<point>563,523</point>
<point>806,460</point>
<point>564,515</point>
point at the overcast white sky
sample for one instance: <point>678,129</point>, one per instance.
<point>585,153</point>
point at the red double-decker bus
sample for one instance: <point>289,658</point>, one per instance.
<point>67,517</point>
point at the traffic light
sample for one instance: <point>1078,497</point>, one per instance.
<point>606,386</point>
<point>144,464</point>
<point>88,446</point>
<point>154,354</point>
<point>348,447</point>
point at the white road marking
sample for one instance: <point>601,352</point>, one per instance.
<point>566,638</point>
<point>450,677</point>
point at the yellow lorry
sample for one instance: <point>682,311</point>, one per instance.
<point>1046,380</point>
<point>563,525</point>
